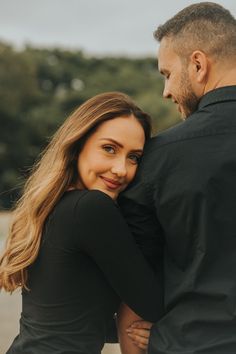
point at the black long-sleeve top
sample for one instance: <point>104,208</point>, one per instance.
<point>182,211</point>
<point>88,262</point>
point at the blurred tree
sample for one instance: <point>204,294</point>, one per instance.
<point>18,93</point>
<point>39,88</point>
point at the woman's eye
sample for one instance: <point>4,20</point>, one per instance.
<point>135,158</point>
<point>110,149</point>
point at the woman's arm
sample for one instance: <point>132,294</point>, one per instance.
<point>105,237</point>
<point>132,341</point>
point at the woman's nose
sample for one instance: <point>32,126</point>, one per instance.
<point>119,168</point>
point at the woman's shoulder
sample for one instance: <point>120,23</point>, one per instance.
<point>92,205</point>
<point>93,199</point>
<point>79,203</point>
<point>93,194</point>
<point>83,199</point>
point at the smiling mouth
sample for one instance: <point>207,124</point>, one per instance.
<point>110,183</point>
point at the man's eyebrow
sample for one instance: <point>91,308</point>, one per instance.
<point>119,144</point>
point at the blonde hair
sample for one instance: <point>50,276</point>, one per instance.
<point>51,176</point>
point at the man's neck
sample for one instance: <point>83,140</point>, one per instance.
<point>221,78</point>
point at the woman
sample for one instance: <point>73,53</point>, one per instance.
<point>69,248</point>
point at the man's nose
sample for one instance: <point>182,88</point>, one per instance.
<point>166,92</point>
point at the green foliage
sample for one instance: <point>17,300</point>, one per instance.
<point>39,88</point>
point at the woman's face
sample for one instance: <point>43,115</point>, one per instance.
<point>110,156</point>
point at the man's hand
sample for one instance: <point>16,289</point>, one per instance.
<point>139,332</point>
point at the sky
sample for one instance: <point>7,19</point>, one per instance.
<point>98,27</point>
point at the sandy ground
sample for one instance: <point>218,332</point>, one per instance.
<point>9,316</point>
<point>10,306</point>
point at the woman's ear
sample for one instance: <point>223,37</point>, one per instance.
<point>199,66</point>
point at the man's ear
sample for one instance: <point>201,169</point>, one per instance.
<point>199,65</point>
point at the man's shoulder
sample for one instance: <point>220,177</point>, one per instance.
<point>186,130</point>
<point>167,136</point>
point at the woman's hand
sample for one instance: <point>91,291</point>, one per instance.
<point>139,332</point>
<point>133,332</point>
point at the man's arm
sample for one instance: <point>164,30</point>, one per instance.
<point>138,206</point>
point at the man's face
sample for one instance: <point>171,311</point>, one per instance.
<point>178,85</point>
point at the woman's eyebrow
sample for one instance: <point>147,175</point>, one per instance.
<point>120,145</point>
<point>113,141</point>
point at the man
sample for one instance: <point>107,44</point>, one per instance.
<point>182,205</point>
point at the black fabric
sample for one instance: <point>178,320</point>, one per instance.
<point>182,211</point>
<point>87,264</point>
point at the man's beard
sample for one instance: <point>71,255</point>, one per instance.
<point>188,99</point>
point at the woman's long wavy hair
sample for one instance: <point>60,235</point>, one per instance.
<point>51,176</point>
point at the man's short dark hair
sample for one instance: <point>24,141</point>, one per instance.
<point>205,26</point>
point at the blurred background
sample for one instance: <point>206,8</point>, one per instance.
<point>55,54</point>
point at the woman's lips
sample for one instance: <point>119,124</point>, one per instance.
<point>110,183</point>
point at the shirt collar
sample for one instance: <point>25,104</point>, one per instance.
<point>227,93</point>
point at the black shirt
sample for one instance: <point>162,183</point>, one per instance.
<point>88,262</point>
<point>182,211</point>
